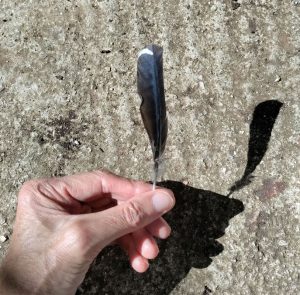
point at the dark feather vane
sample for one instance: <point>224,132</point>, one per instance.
<point>150,84</point>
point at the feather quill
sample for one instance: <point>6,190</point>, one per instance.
<point>150,84</point>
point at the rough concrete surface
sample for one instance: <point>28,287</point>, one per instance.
<point>68,103</point>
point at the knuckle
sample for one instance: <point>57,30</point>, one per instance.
<point>47,187</point>
<point>28,186</point>
<point>133,214</point>
<point>31,190</point>
<point>28,190</point>
<point>102,173</point>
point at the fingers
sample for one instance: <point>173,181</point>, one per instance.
<point>137,261</point>
<point>90,186</point>
<point>159,228</point>
<point>139,246</point>
<point>129,216</point>
<point>145,244</point>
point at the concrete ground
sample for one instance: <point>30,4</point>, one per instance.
<point>68,103</point>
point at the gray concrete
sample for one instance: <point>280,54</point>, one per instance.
<point>68,103</point>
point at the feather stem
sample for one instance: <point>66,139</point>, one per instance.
<point>155,169</point>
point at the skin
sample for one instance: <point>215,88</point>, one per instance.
<point>63,223</point>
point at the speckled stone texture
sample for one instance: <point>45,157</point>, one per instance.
<point>68,103</point>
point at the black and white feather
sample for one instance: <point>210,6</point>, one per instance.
<point>150,84</point>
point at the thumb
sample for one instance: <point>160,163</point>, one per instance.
<point>129,216</point>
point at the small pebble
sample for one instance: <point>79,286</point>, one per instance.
<point>282,243</point>
<point>223,170</point>
<point>278,79</point>
<point>185,181</point>
<point>3,239</point>
<point>213,8</point>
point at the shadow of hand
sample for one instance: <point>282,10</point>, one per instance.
<point>198,219</point>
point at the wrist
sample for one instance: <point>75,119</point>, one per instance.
<point>9,284</point>
<point>19,279</point>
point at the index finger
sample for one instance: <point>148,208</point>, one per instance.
<point>90,186</point>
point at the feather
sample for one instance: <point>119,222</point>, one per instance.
<point>150,84</point>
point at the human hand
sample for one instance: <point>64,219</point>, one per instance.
<point>63,223</point>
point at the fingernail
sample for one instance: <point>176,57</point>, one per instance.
<point>149,249</point>
<point>162,202</point>
<point>140,264</point>
<point>147,245</point>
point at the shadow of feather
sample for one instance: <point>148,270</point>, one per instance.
<point>263,120</point>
